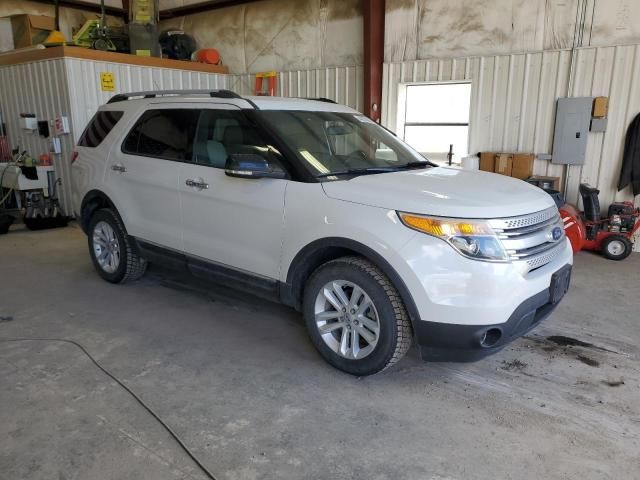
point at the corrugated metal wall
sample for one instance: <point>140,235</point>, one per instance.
<point>39,88</point>
<point>513,104</point>
<point>71,87</point>
<point>342,84</point>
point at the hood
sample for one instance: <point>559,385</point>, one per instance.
<point>443,191</point>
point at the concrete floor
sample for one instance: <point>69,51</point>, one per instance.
<point>238,379</point>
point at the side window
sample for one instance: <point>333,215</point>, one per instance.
<point>99,127</point>
<point>164,134</point>
<point>221,133</point>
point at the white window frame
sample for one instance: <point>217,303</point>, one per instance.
<point>401,116</point>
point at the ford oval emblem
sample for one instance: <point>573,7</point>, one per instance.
<point>556,234</point>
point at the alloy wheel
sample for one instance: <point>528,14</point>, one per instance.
<point>106,247</point>
<point>347,319</point>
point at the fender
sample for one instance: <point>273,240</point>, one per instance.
<point>325,249</point>
<point>92,201</point>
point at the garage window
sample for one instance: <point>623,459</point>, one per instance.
<point>437,116</point>
<point>99,127</point>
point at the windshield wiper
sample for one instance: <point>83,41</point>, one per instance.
<point>417,164</point>
<point>363,171</point>
<point>357,171</point>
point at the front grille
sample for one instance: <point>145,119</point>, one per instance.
<point>528,238</point>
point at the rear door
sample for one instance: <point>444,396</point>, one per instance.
<point>143,173</point>
<point>233,223</point>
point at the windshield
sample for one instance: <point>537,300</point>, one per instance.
<point>333,144</point>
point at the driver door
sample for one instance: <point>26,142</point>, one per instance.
<point>231,226</point>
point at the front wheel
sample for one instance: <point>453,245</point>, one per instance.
<point>114,255</point>
<point>355,316</point>
<point>616,247</point>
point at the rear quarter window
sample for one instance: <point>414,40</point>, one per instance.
<point>99,127</point>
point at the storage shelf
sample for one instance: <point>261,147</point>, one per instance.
<point>34,55</point>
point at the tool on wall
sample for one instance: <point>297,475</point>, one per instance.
<point>28,191</point>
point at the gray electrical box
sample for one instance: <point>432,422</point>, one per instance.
<point>573,119</point>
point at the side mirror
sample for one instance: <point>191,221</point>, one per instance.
<point>251,165</point>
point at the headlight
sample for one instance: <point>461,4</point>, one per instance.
<point>472,238</point>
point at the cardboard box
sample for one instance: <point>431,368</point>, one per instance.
<point>503,164</point>
<point>31,29</point>
<point>487,161</point>
<point>600,107</point>
<point>522,165</point>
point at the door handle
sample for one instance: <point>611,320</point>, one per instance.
<point>118,167</point>
<point>200,185</point>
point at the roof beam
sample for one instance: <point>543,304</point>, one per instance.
<point>88,7</point>
<point>201,7</point>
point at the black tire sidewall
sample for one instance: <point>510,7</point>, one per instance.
<point>109,217</point>
<point>381,355</point>
<point>628,247</point>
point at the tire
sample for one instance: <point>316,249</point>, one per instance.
<point>367,351</point>
<point>616,247</point>
<point>130,266</point>
<point>5,223</point>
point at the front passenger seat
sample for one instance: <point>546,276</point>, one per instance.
<point>217,154</point>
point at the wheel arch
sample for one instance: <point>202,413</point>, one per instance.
<point>93,201</point>
<point>318,252</point>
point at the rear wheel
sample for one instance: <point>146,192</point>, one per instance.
<point>616,247</point>
<point>355,316</point>
<point>114,255</point>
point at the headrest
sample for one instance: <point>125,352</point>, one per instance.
<point>233,135</point>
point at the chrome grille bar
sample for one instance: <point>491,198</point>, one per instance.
<point>529,238</point>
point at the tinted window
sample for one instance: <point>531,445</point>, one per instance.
<point>99,126</point>
<point>163,134</point>
<point>221,133</point>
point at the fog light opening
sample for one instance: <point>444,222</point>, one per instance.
<point>490,337</point>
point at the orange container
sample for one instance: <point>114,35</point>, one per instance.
<point>208,55</point>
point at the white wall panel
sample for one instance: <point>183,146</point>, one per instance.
<point>513,104</point>
<point>38,88</point>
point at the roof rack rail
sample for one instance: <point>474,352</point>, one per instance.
<point>322,99</point>
<point>121,97</point>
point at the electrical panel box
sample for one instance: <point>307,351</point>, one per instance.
<point>573,119</point>
<point>599,125</point>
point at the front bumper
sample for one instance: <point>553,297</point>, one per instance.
<point>448,342</point>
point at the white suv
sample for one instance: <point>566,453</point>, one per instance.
<point>313,204</point>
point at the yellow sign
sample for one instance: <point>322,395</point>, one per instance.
<point>107,82</point>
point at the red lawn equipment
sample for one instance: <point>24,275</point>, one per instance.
<point>612,236</point>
